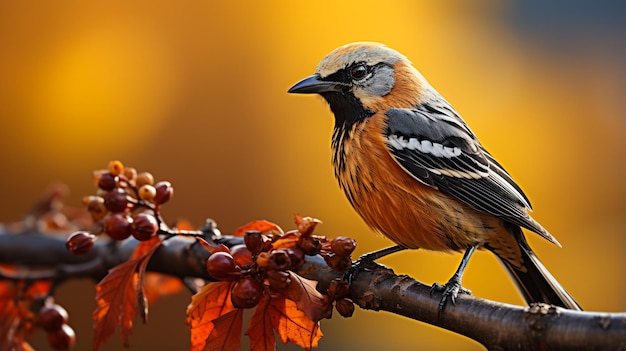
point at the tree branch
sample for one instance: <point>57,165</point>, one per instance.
<point>495,325</point>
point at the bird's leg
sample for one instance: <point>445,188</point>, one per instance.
<point>453,287</point>
<point>364,260</point>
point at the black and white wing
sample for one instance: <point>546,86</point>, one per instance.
<point>434,145</point>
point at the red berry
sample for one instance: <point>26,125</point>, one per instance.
<point>164,192</point>
<point>51,317</point>
<point>144,226</point>
<point>96,207</point>
<point>117,226</point>
<point>62,339</point>
<point>343,246</point>
<point>310,246</point>
<point>338,263</point>
<point>344,307</point>
<point>296,256</point>
<point>278,280</point>
<point>122,181</point>
<point>246,293</point>
<point>241,254</point>
<point>222,266</point>
<point>80,243</point>
<point>253,240</point>
<point>116,200</point>
<point>338,288</point>
<point>280,260</point>
<point>107,181</point>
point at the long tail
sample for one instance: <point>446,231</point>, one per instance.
<point>535,282</point>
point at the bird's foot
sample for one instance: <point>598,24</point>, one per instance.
<point>450,291</point>
<point>362,263</point>
<point>367,260</point>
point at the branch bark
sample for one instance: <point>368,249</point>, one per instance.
<point>495,325</point>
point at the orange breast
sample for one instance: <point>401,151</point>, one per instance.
<point>397,205</point>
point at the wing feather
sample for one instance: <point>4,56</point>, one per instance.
<point>434,145</point>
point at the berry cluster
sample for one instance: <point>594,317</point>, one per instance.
<point>52,318</point>
<point>262,264</point>
<point>126,204</point>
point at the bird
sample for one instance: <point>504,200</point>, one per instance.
<point>414,171</point>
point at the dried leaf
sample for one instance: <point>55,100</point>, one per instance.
<point>9,317</point>
<point>211,302</point>
<point>19,344</point>
<point>260,225</point>
<point>142,301</point>
<point>308,300</point>
<point>260,329</point>
<point>290,239</point>
<point>119,295</point>
<point>226,335</point>
<point>15,315</point>
<point>212,248</point>
<point>306,225</point>
<point>292,325</point>
<point>145,246</point>
<point>116,297</point>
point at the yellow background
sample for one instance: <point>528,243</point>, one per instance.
<point>195,92</point>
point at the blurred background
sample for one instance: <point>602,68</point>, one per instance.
<point>195,92</point>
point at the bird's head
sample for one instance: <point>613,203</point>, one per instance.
<point>362,78</point>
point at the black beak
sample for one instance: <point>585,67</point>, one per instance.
<point>313,85</point>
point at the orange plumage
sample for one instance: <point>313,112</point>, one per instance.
<point>392,202</point>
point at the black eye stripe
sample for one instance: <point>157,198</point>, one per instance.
<point>340,76</point>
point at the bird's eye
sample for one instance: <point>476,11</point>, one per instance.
<point>358,72</point>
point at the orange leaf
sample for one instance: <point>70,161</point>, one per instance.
<point>290,239</point>
<point>144,246</point>
<point>260,329</point>
<point>212,248</point>
<point>211,302</point>
<point>19,344</point>
<point>39,289</point>
<point>308,300</point>
<point>9,317</point>
<point>120,293</point>
<point>156,285</point>
<point>292,325</point>
<point>183,224</point>
<point>260,225</point>
<point>226,335</point>
<point>15,315</point>
<point>32,290</point>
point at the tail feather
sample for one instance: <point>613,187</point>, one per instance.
<point>535,282</point>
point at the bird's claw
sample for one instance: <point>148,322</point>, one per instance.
<point>450,291</point>
<point>367,260</point>
<point>360,264</point>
